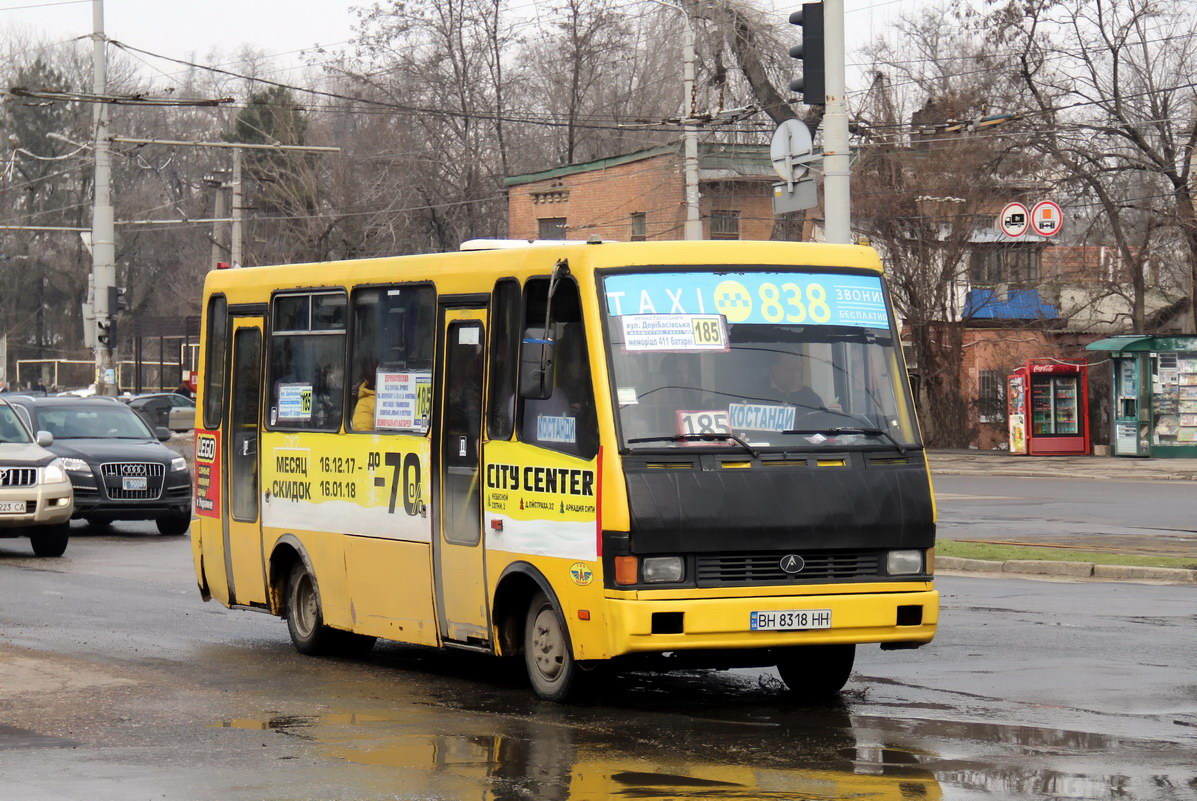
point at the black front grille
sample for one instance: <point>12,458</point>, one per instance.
<point>764,567</point>
<point>18,476</point>
<point>115,472</point>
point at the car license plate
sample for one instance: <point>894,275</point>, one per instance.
<point>12,507</point>
<point>790,620</point>
<point>134,483</point>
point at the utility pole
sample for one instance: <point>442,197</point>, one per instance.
<point>837,209</point>
<point>217,226</point>
<point>235,243</point>
<point>103,231</point>
<point>693,228</point>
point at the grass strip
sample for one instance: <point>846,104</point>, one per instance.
<point>984,550</point>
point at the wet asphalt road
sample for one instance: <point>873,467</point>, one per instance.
<point>1149,517</point>
<point>117,682</point>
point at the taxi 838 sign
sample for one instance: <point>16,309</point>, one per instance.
<point>757,298</point>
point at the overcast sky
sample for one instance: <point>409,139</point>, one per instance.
<point>182,28</point>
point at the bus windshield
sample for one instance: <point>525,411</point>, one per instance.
<point>792,360</point>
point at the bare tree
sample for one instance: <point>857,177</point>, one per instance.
<point>926,180</point>
<point>1110,82</point>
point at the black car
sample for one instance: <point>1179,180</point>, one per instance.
<point>119,468</point>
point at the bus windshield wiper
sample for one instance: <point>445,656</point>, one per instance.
<point>875,432</point>
<point>698,438</point>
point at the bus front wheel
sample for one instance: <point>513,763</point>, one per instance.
<point>552,669</point>
<point>816,671</point>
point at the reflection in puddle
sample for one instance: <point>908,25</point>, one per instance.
<point>590,754</point>
<point>554,758</point>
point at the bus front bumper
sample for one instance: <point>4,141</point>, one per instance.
<point>724,623</point>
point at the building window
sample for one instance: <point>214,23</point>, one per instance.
<point>551,228</point>
<point>1013,265</point>
<point>991,397</point>
<point>639,226</point>
<point>725,224</point>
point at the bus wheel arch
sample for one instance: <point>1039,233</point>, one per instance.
<point>288,552</point>
<point>514,593</point>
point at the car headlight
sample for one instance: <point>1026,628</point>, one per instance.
<point>54,472</point>
<point>662,569</point>
<point>904,563</point>
<point>178,463</point>
<point>75,465</point>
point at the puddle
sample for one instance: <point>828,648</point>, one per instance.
<point>12,738</point>
<point>813,753</point>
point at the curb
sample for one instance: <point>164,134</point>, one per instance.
<point>1042,567</point>
<point>949,471</point>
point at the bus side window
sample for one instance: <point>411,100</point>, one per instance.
<point>214,356</point>
<point>394,330</point>
<point>505,331</point>
<point>307,361</point>
<point>566,421</point>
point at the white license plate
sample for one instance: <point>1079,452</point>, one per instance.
<point>790,620</point>
<point>134,483</point>
<point>12,507</point>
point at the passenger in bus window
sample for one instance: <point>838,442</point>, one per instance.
<point>363,407</point>
<point>327,393</point>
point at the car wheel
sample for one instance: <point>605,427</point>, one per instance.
<point>174,525</point>
<point>50,540</point>
<point>551,666</point>
<point>816,672</point>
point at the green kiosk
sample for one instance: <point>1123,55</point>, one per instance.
<point>1154,389</point>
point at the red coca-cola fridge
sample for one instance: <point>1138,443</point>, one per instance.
<point>1047,403</point>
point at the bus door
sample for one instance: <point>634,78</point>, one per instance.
<point>458,561</point>
<point>242,417</point>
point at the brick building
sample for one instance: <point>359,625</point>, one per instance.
<point>642,195</point>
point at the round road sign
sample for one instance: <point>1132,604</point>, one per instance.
<point>1014,219</point>
<point>791,141</point>
<point>1047,218</point>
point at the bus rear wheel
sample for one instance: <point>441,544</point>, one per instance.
<point>305,618</point>
<point>305,621</point>
<point>816,672</point>
<point>551,666</point>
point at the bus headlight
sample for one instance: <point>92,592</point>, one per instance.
<point>662,569</point>
<point>904,563</point>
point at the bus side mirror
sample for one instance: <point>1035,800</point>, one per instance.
<point>537,362</point>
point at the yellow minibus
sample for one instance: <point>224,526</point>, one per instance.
<point>649,454</point>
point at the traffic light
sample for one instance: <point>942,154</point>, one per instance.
<point>810,52</point>
<point>106,334</point>
<point>117,301</point>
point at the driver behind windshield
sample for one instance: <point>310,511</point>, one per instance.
<point>788,384</point>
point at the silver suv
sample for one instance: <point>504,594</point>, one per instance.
<point>36,499</point>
